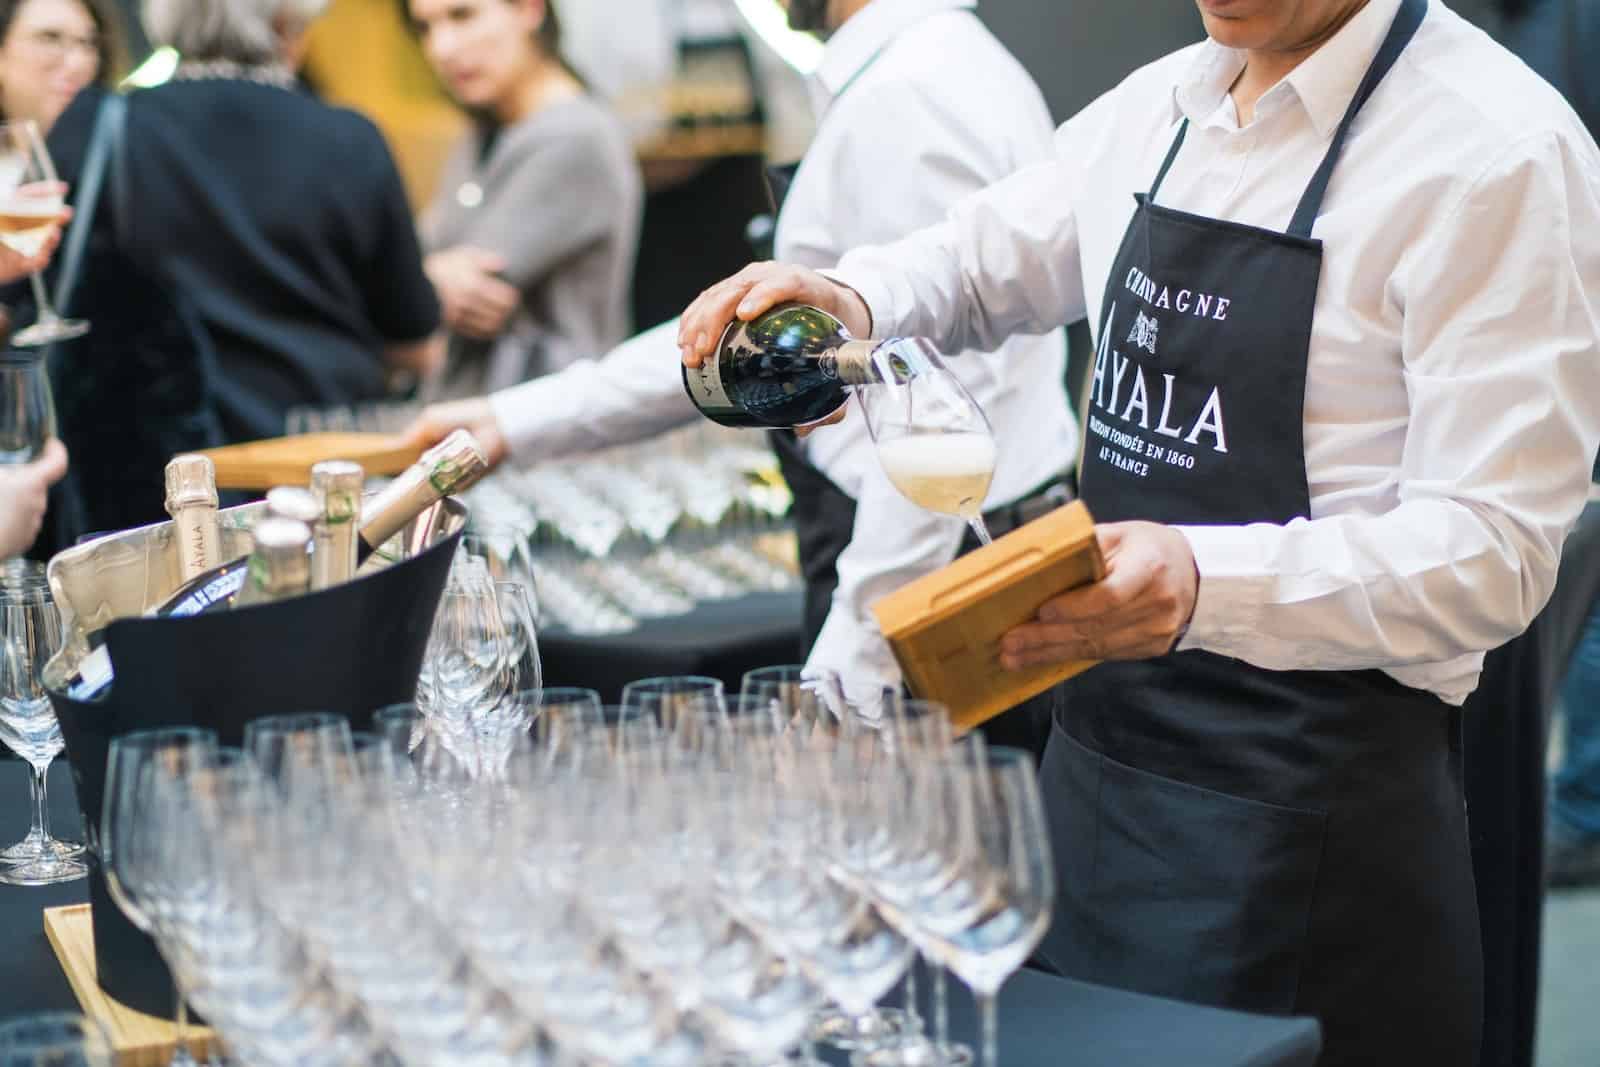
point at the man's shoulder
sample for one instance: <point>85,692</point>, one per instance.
<point>1457,76</point>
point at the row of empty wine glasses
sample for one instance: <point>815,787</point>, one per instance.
<point>682,878</point>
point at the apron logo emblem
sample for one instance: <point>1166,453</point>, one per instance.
<point>1143,334</point>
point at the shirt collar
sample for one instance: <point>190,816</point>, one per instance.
<point>866,33</point>
<point>1325,82</point>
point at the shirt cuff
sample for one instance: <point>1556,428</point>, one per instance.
<point>517,410</point>
<point>1232,591</point>
<point>874,293</point>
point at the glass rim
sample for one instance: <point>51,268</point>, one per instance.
<point>156,735</point>
<point>296,720</point>
<point>682,683</point>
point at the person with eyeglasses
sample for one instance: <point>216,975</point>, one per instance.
<point>50,50</point>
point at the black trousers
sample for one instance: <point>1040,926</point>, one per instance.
<point>1507,729</point>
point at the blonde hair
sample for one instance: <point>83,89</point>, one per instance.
<point>243,31</point>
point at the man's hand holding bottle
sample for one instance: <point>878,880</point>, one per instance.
<point>754,291</point>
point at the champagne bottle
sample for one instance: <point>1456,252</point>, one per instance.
<point>336,486</point>
<point>792,366</point>
<point>192,503</point>
<point>279,566</point>
<point>293,502</point>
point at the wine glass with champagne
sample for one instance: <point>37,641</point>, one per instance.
<point>31,199</point>
<point>932,437</point>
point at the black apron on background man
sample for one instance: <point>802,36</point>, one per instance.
<point>1273,841</point>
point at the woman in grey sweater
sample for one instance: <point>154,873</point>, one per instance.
<point>531,237</point>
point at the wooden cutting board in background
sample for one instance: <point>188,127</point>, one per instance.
<point>288,460</point>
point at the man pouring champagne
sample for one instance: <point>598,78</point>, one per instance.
<point>1342,263</point>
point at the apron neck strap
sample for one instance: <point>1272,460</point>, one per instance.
<point>1400,33</point>
<point>1166,164</point>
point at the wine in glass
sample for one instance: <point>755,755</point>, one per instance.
<point>933,440</point>
<point>31,199</point>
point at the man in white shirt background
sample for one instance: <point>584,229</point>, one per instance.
<point>1351,326</point>
<point>918,107</point>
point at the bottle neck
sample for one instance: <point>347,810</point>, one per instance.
<point>853,362</point>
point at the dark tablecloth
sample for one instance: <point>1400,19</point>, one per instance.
<point>720,638</point>
<point>1044,1021</point>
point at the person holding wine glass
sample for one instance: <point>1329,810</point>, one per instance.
<point>1343,263</point>
<point>24,496</point>
<point>919,106</point>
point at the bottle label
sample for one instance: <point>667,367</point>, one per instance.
<point>705,384</point>
<point>221,587</point>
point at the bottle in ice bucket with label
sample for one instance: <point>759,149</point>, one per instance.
<point>793,366</point>
<point>452,466</point>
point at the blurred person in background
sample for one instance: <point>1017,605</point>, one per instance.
<point>532,236</point>
<point>49,51</point>
<point>280,220</point>
<point>252,250</point>
<point>919,106</point>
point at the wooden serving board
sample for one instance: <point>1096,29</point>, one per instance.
<point>288,460</point>
<point>945,627</point>
<point>139,1040</point>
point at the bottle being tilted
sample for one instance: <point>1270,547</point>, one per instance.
<point>336,488</point>
<point>192,503</point>
<point>792,366</point>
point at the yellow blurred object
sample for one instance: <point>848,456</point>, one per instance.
<point>361,55</point>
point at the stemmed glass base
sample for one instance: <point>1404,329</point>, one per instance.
<point>48,331</point>
<point>41,860</point>
<point>845,1031</point>
<point>917,1052</point>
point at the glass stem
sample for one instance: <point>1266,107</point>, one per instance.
<point>40,830</point>
<point>941,1005</point>
<point>980,530</point>
<point>989,1014</point>
<point>41,298</point>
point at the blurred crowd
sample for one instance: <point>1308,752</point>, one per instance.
<point>253,250</point>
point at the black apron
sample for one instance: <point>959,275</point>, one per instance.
<point>1272,841</point>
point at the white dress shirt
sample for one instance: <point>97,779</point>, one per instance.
<point>1452,405</point>
<point>935,109</point>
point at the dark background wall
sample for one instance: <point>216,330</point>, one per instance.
<point>1077,49</point>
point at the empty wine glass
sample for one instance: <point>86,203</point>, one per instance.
<point>933,440</point>
<point>1013,911</point>
<point>29,210</point>
<point>676,699</point>
<point>58,1039</point>
<point>130,842</point>
<point>518,619</point>
<point>30,633</point>
<point>467,650</point>
<point>308,748</point>
<point>27,409</point>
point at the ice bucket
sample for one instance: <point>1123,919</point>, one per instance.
<point>350,649</point>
